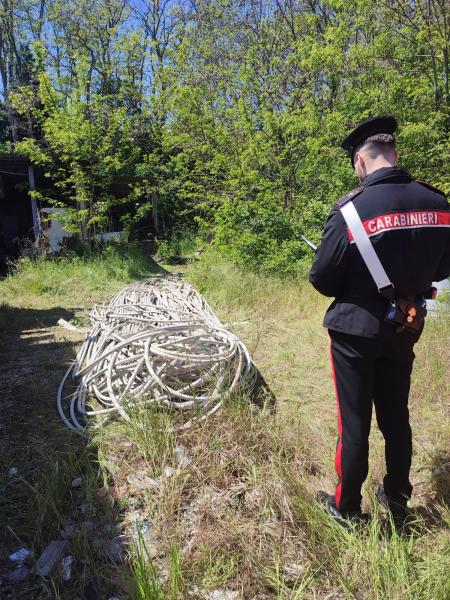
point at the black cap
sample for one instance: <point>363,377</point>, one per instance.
<point>369,127</point>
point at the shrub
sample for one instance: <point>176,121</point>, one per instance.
<point>180,243</point>
<point>262,235</point>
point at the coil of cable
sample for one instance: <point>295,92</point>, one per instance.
<point>155,343</point>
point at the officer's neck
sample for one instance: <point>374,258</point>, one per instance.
<point>372,166</point>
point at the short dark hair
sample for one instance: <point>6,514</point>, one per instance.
<point>380,138</point>
<point>377,144</point>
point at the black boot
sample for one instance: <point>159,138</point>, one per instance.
<point>398,510</point>
<point>344,518</point>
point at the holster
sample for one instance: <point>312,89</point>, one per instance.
<point>407,313</point>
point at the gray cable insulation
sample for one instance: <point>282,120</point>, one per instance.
<point>155,342</point>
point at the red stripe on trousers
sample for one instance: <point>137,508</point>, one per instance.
<point>338,457</point>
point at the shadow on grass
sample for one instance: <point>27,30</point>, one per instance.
<point>39,460</point>
<point>31,364</point>
<point>262,395</point>
<point>430,512</point>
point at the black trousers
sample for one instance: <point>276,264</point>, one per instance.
<point>367,370</point>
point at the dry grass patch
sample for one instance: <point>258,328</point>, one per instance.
<point>228,509</point>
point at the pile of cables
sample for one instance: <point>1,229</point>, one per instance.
<point>158,343</point>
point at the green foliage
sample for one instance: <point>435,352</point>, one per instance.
<point>257,152</point>
<point>144,584</point>
<point>180,243</point>
<point>227,116</point>
<point>260,235</point>
<point>83,146</point>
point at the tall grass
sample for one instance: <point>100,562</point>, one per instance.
<point>144,580</point>
<point>240,514</point>
<point>75,279</point>
<point>243,511</point>
<point>243,518</point>
<point>39,501</point>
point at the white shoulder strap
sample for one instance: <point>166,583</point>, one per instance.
<point>365,247</point>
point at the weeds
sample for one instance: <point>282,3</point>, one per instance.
<point>68,278</point>
<point>238,513</point>
<point>181,242</point>
<point>144,584</point>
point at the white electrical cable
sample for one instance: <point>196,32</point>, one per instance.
<point>156,342</point>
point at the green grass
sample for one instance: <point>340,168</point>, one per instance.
<point>71,280</point>
<point>241,514</point>
<point>144,581</point>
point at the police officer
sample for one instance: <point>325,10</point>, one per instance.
<point>408,223</point>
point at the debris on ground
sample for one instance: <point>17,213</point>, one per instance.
<point>71,327</point>
<point>66,325</point>
<point>19,574</point>
<point>114,549</point>
<point>218,594</point>
<point>168,472</point>
<point>20,555</point>
<point>66,567</point>
<point>223,595</point>
<point>181,456</point>
<point>140,480</point>
<point>143,534</point>
<point>50,557</point>
<point>292,572</point>
<point>177,352</point>
<point>68,531</point>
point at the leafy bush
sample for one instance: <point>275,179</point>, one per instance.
<point>261,235</point>
<point>180,243</point>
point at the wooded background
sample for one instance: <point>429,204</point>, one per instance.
<point>224,116</point>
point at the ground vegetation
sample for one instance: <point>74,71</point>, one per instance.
<point>225,509</point>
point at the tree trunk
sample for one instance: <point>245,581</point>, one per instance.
<point>155,211</point>
<point>34,206</point>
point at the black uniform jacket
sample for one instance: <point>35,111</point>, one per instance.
<point>408,223</point>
